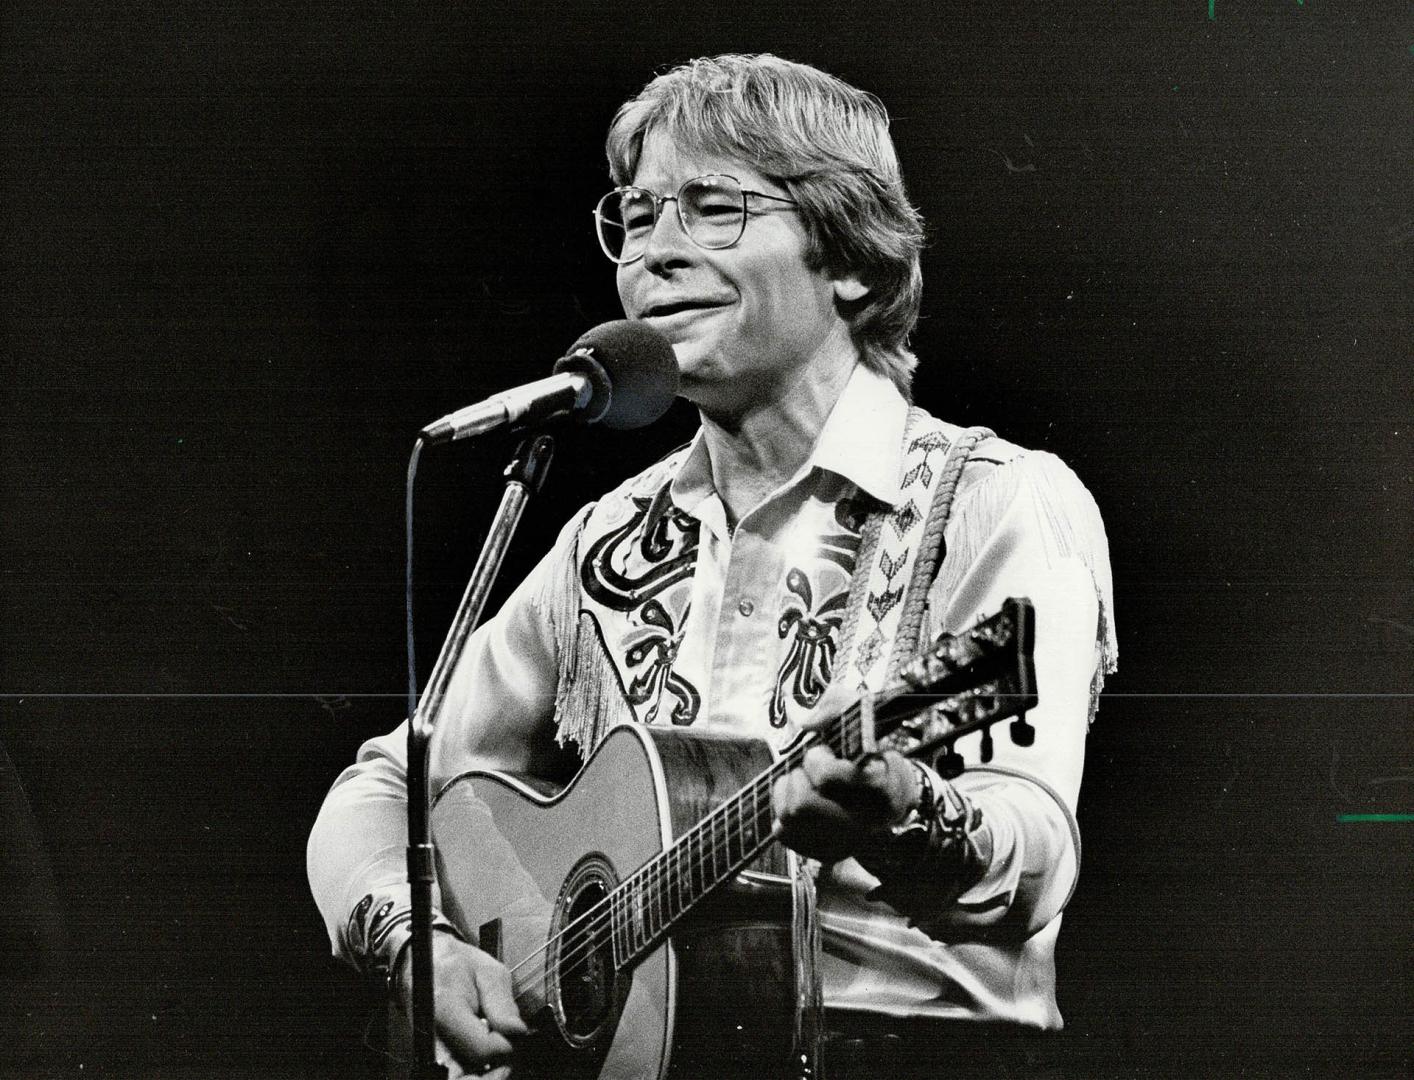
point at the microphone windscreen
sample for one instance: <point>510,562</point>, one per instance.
<point>641,366</point>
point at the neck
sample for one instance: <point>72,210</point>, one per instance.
<point>756,450</point>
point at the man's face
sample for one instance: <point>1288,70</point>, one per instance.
<point>746,321</point>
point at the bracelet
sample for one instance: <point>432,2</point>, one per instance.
<point>928,854</point>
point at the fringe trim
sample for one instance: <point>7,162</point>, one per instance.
<point>588,700</point>
<point>1074,529</point>
<point>806,951</point>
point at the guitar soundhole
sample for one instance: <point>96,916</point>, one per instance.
<point>587,997</point>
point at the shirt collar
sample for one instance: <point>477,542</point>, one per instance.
<point>862,441</point>
<point>863,438</point>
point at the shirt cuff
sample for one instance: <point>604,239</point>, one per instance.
<point>379,931</point>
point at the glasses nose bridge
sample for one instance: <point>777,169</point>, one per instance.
<point>658,201</point>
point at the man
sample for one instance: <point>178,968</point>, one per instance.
<point>760,222</point>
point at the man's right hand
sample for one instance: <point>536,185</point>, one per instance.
<point>476,1009</point>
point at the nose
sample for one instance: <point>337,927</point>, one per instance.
<point>668,245</point>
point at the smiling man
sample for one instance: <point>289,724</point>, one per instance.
<point>750,585</point>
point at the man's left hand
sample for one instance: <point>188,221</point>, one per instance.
<point>830,809</point>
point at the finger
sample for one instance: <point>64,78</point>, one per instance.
<point>470,1037</point>
<point>789,793</point>
<point>874,780</point>
<point>806,800</point>
<point>455,1071</point>
<point>899,780</point>
<point>791,797</point>
<point>864,795</point>
<point>453,1066</point>
<point>809,814</point>
<point>497,999</point>
<point>812,825</point>
<point>824,769</point>
<point>838,697</point>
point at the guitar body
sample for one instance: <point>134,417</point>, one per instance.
<point>518,862</point>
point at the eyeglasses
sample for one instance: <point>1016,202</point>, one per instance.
<point>711,210</point>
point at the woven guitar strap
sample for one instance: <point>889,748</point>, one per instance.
<point>900,553</point>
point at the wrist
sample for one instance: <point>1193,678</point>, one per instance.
<point>901,843</point>
<point>377,936</point>
<point>402,956</point>
<point>932,850</point>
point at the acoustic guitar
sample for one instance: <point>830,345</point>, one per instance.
<point>644,910</point>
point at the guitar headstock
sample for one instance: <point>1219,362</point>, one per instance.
<point>965,682</point>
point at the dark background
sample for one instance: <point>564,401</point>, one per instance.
<point>247,252</point>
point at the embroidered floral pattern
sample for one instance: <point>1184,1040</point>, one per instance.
<point>365,933</point>
<point>633,569</point>
<point>810,659</point>
<point>813,631</point>
<point>653,646</point>
<point>623,576</point>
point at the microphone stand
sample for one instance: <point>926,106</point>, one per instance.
<point>524,477</point>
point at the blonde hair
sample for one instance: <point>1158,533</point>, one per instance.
<point>828,145</point>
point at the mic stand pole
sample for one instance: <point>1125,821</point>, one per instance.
<point>524,477</point>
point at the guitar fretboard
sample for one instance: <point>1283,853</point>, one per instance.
<point>650,901</point>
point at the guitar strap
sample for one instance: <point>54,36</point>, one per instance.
<point>900,553</point>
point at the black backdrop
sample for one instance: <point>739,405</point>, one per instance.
<point>247,252</point>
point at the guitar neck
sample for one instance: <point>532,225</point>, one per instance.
<point>648,903</point>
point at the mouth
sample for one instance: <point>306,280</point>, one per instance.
<point>677,307</point>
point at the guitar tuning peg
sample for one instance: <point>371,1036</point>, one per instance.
<point>987,746</point>
<point>1022,733</point>
<point>949,764</point>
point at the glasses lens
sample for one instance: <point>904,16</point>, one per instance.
<point>625,221</point>
<point>714,211</point>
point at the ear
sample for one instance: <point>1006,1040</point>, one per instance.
<point>849,288</point>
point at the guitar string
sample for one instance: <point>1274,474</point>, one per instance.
<point>587,925</point>
<point>593,920</point>
<point>585,930</point>
<point>642,878</point>
<point>590,923</point>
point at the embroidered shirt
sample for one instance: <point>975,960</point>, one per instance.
<point>739,631</point>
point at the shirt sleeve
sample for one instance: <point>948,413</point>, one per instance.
<point>1026,528</point>
<point>497,713</point>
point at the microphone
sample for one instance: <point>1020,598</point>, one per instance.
<point>622,374</point>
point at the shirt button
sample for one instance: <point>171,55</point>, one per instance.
<point>746,607</point>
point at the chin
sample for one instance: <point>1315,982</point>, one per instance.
<point>699,382</point>
<point>694,362</point>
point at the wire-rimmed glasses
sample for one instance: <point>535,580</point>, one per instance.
<point>712,211</point>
